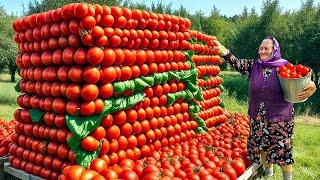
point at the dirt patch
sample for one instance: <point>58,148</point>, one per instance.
<point>307,120</point>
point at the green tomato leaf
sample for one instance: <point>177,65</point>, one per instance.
<point>36,115</point>
<point>17,87</point>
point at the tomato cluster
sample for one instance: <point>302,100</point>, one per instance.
<point>6,129</point>
<point>293,71</point>
<point>220,154</point>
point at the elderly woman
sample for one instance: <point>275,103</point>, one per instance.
<point>271,117</point>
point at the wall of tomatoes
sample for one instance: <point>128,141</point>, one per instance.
<point>115,90</point>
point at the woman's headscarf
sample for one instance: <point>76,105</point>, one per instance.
<point>275,60</point>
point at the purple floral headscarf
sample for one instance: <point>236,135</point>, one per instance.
<point>275,60</point>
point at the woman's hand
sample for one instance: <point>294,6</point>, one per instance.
<point>307,91</point>
<point>222,50</point>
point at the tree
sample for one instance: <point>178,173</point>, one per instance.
<point>8,49</point>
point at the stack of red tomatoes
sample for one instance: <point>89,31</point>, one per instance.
<point>293,71</point>
<point>207,63</point>
<point>70,59</point>
<point>218,154</point>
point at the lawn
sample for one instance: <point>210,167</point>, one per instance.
<point>8,97</point>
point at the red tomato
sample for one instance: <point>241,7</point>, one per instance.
<point>90,74</point>
<point>89,143</point>
<point>290,66</point>
<point>88,22</point>
<point>109,57</point>
<point>98,165</point>
<point>87,108</point>
<point>95,55</point>
<point>113,132</point>
<point>89,92</point>
<point>239,167</point>
<point>99,133</point>
<point>106,91</point>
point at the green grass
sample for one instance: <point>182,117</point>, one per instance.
<point>306,153</point>
<point>8,97</point>
<point>232,104</point>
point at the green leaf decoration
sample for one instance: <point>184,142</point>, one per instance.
<point>17,87</point>
<point>157,78</point>
<point>140,84</point>
<point>221,87</point>
<point>193,40</point>
<point>200,121</point>
<point>200,130</point>
<point>83,158</point>
<point>119,87</point>
<point>118,104</point>
<point>129,85</point>
<point>81,126</point>
<point>222,104</point>
<point>74,142</point>
<point>149,80</point>
<point>36,115</point>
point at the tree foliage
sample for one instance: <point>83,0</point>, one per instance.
<point>8,50</point>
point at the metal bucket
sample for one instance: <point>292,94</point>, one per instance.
<point>291,87</point>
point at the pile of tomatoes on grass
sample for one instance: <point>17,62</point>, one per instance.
<point>6,129</point>
<point>293,71</point>
<point>218,154</point>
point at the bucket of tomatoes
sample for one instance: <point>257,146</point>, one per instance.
<point>293,78</point>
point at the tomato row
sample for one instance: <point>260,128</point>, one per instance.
<point>212,81</point>
<point>206,59</point>
<point>71,32</point>
<point>163,89</point>
<point>208,70</point>
<point>210,93</point>
<point>50,119</point>
<point>37,170</point>
<point>155,117</point>
<point>98,56</point>
<point>203,49</point>
<point>90,15</point>
<point>215,120</point>
<point>208,103</point>
<point>49,96</point>
<point>179,122</point>
<point>93,75</point>
<point>113,140</point>
<point>76,91</point>
<point>36,154</point>
<point>114,42</point>
<point>213,111</point>
<point>199,36</point>
<point>41,132</point>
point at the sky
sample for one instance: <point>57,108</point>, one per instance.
<point>228,8</point>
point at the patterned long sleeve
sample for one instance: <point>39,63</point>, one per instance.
<point>241,65</point>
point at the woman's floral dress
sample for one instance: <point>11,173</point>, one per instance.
<point>275,138</point>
